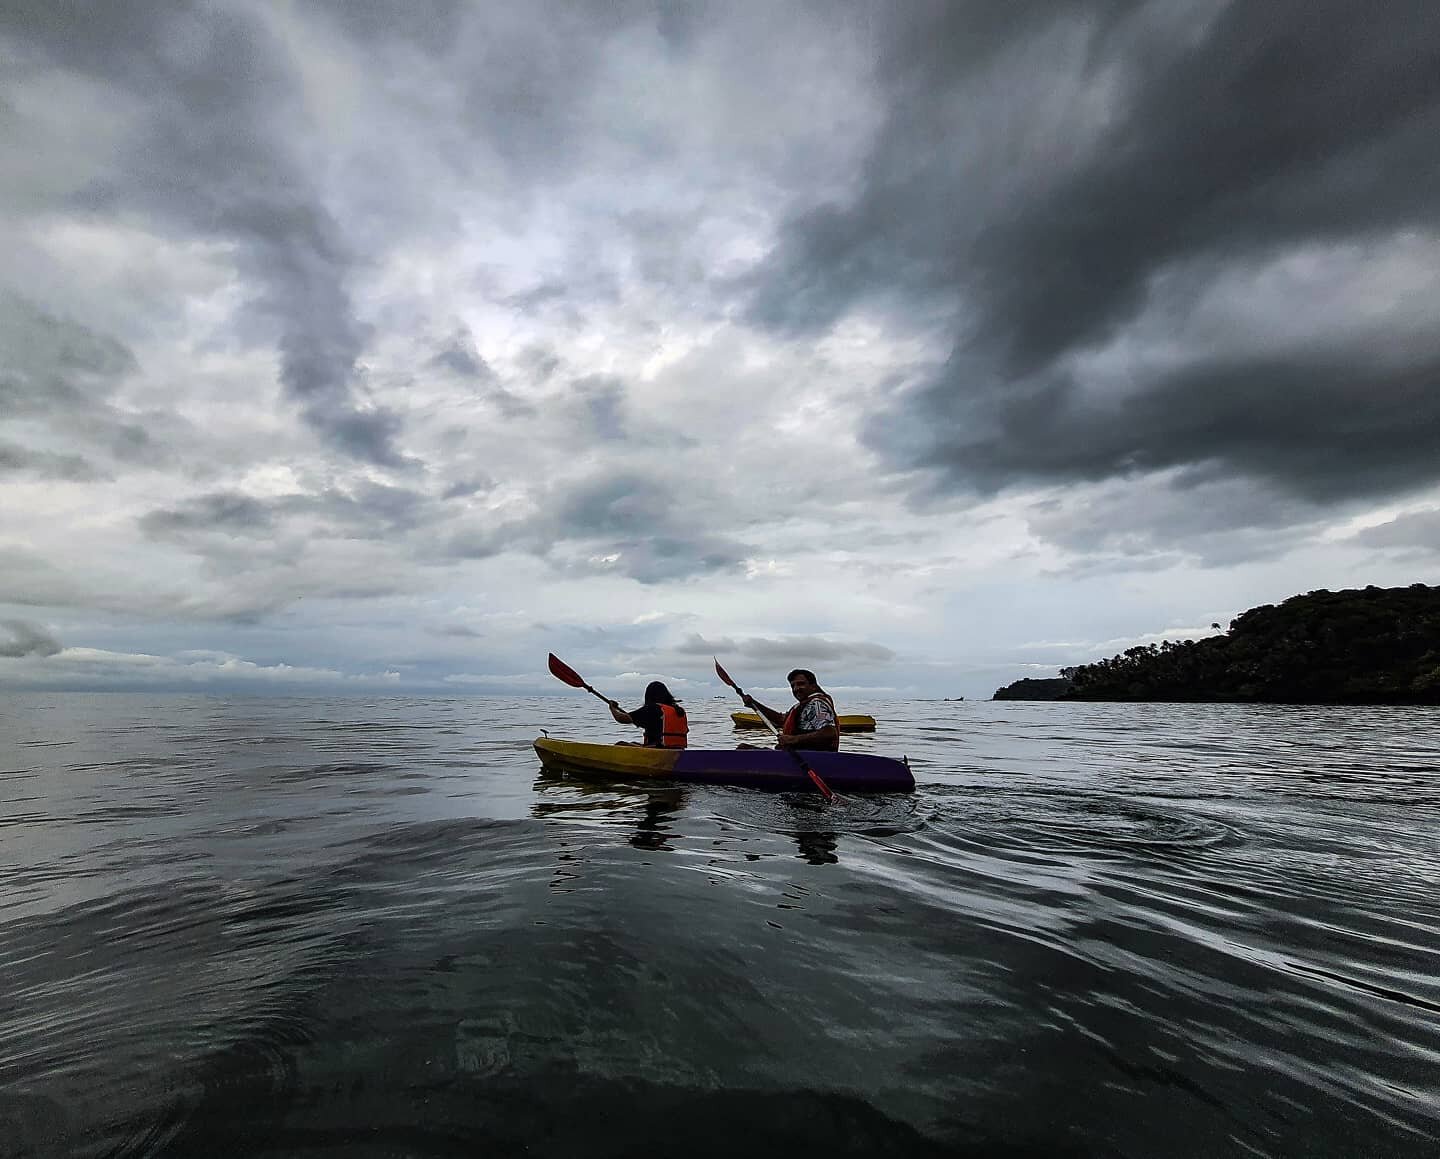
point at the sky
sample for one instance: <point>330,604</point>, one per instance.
<point>350,346</point>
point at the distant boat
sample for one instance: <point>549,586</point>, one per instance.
<point>847,723</point>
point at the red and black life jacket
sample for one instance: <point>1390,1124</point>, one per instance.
<point>674,728</point>
<point>792,722</point>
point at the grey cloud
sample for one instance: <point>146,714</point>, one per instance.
<point>48,464</point>
<point>65,376</point>
<point>217,153</point>
<point>1038,218</point>
<point>459,630</point>
<point>1171,520</point>
<point>662,558</point>
<point>52,365</point>
<point>431,25</point>
<point>787,649</point>
<point>597,407</point>
<point>531,69</point>
<point>26,640</point>
<point>367,510</point>
<point>624,504</point>
<point>603,402</point>
<point>539,362</point>
<point>460,356</point>
<point>481,541</point>
<point>546,293</point>
<point>464,488</point>
<point>224,512</point>
<point>29,580</point>
<point>1413,529</point>
<point>645,522</point>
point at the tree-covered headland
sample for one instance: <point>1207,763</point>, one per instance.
<point>1360,646</point>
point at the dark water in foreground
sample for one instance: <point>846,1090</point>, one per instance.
<point>303,927</point>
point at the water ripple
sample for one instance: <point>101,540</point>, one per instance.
<point>376,927</point>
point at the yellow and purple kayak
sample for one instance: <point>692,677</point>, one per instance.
<point>847,723</point>
<point>759,768</point>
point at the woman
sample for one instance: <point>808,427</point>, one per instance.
<point>660,716</point>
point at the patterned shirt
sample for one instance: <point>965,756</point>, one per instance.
<point>815,714</point>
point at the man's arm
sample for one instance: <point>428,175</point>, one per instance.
<point>775,718</point>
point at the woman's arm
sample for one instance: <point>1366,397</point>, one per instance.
<point>620,716</point>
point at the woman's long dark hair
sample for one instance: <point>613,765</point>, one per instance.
<point>657,693</point>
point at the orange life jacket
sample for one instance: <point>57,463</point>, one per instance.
<point>792,721</point>
<point>674,728</point>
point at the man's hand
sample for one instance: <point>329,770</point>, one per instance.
<point>748,701</point>
<point>786,739</point>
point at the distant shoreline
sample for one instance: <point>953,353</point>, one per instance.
<point>1376,647</point>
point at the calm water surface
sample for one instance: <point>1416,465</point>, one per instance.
<point>304,927</point>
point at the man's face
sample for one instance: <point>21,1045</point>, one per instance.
<point>803,686</point>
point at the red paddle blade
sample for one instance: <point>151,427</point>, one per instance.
<point>825,790</point>
<point>725,676</point>
<point>563,671</point>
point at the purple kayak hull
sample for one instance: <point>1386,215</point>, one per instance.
<point>760,768</point>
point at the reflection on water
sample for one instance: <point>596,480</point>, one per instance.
<point>284,927</point>
<point>818,848</point>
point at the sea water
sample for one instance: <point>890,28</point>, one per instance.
<point>269,927</point>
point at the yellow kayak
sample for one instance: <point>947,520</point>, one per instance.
<point>847,723</point>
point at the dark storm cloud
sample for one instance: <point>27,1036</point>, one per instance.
<point>787,649</point>
<point>1041,166</point>
<point>1324,428</point>
<point>25,639</point>
<point>216,152</point>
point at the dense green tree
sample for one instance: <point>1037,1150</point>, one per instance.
<point>1368,646</point>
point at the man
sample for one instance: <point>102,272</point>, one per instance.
<point>812,724</point>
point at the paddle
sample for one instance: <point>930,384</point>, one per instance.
<point>825,790</point>
<point>563,671</point>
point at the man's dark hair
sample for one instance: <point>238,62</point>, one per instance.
<point>805,672</point>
